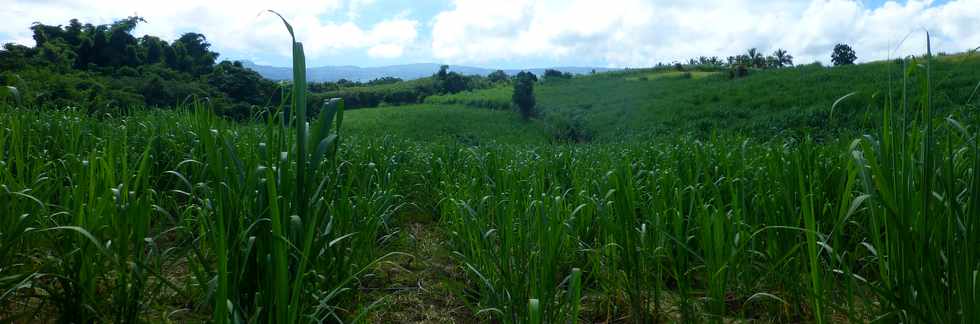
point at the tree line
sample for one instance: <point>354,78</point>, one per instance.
<point>739,65</point>
<point>104,68</point>
<point>393,91</point>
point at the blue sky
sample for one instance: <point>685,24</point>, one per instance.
<point>528,33</point>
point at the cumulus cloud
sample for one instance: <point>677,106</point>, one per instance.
<point>238,27</point>
<point>642,33</point>
<point>516,32</point>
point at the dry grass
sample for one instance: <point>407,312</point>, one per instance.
<point>425,288</point>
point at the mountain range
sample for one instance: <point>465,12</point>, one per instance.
<point>404,71</point>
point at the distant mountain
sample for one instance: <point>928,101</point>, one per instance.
<point>404,71</point>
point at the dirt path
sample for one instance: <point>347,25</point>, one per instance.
<point>423,289</point>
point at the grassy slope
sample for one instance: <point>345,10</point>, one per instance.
<point>432,123</point>
<point>614,106</point>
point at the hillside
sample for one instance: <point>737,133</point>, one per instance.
<point>643,103</point>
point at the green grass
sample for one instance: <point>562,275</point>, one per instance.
<point>492,98</point>
<point>790,102</point>
<point>444,124</point>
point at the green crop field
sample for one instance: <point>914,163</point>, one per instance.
<point>444,124</point>
<point>796,195</point>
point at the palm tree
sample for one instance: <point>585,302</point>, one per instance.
<point>783,58</point>
<point>756,59</point>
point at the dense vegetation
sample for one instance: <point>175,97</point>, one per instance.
<point>783,196</point>
<point>104,69</point>
<point>396,92</point>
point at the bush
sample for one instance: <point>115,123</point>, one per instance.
<point>738,71</point>
<point>568,128</point>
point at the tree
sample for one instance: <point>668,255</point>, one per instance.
<point>756,59</point>
<point>498,76</point>
<point>523,96</point>
<point>449,82</point>
<point>552,74</point>
<point>454,83</point>
<point>199,58</point>
<point>153,48</point>
<point>14,56</point>
<point>43,33</point>
<point>240,83</point>
<point>783,58</point>
<point>58,54</point>
<point>843,55</point>
<point>122,45</point>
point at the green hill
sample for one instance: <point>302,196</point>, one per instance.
<point>645,103</point>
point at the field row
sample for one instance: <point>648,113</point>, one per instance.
<point>164,215</point>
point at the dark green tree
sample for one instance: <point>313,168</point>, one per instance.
<point>552,74</point>
<point>450,82</point>
<point>196,57</point>
<point>14,56</point>
<point>58,54</point>
<point>454,83</point>
<point>843,55</point>
<point>43,33</point>
<point>498,76</point>
<point>240,83</point>
<point>523,96</point>
<point>152,48</point>
<point>169,55</point>
<point>73,33</point>
<point>120,48</point>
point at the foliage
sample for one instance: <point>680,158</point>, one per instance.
<point>555,75</point>
<point>104,69</point>
<point>738,71</point>
<point>393,91</point>
<point>449,82</point>
<point>843,55</point>
<point>782,58</point>
<point>498,76</point>
<point>523,97</point>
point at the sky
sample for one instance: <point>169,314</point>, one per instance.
<point>527,33</point>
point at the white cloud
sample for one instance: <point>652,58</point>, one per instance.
<point>515,32</point>
<point>641,33</point>
<point>355,7</point>
<point>385,51</point>
<point>232,26</point>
